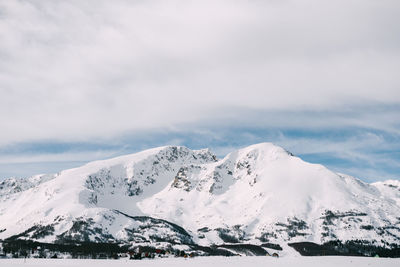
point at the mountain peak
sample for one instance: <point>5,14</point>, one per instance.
<point>266,149</point>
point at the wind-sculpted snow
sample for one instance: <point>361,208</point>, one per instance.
<point>261,195</point>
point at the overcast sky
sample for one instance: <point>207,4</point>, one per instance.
<point>85,80</point>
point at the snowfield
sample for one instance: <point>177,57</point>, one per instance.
<point>214,261</point>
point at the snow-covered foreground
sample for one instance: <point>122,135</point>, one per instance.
<point>213,261</point>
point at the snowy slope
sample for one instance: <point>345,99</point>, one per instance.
<point>390,189</point>
<point>77,198</point>
<point>264,193</point>
<point>255,195</point>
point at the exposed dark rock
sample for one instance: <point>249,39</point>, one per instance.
<point>233,235</point>
<point>293,227</point>
<point>35,232</point>
<point>175,234</point>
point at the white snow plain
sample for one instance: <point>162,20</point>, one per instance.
<point>326,261</point>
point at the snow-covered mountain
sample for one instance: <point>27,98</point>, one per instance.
<point>257,195</point>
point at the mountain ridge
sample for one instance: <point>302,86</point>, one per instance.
<point>255,195</point>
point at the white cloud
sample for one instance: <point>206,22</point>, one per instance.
<point>78,70</point>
